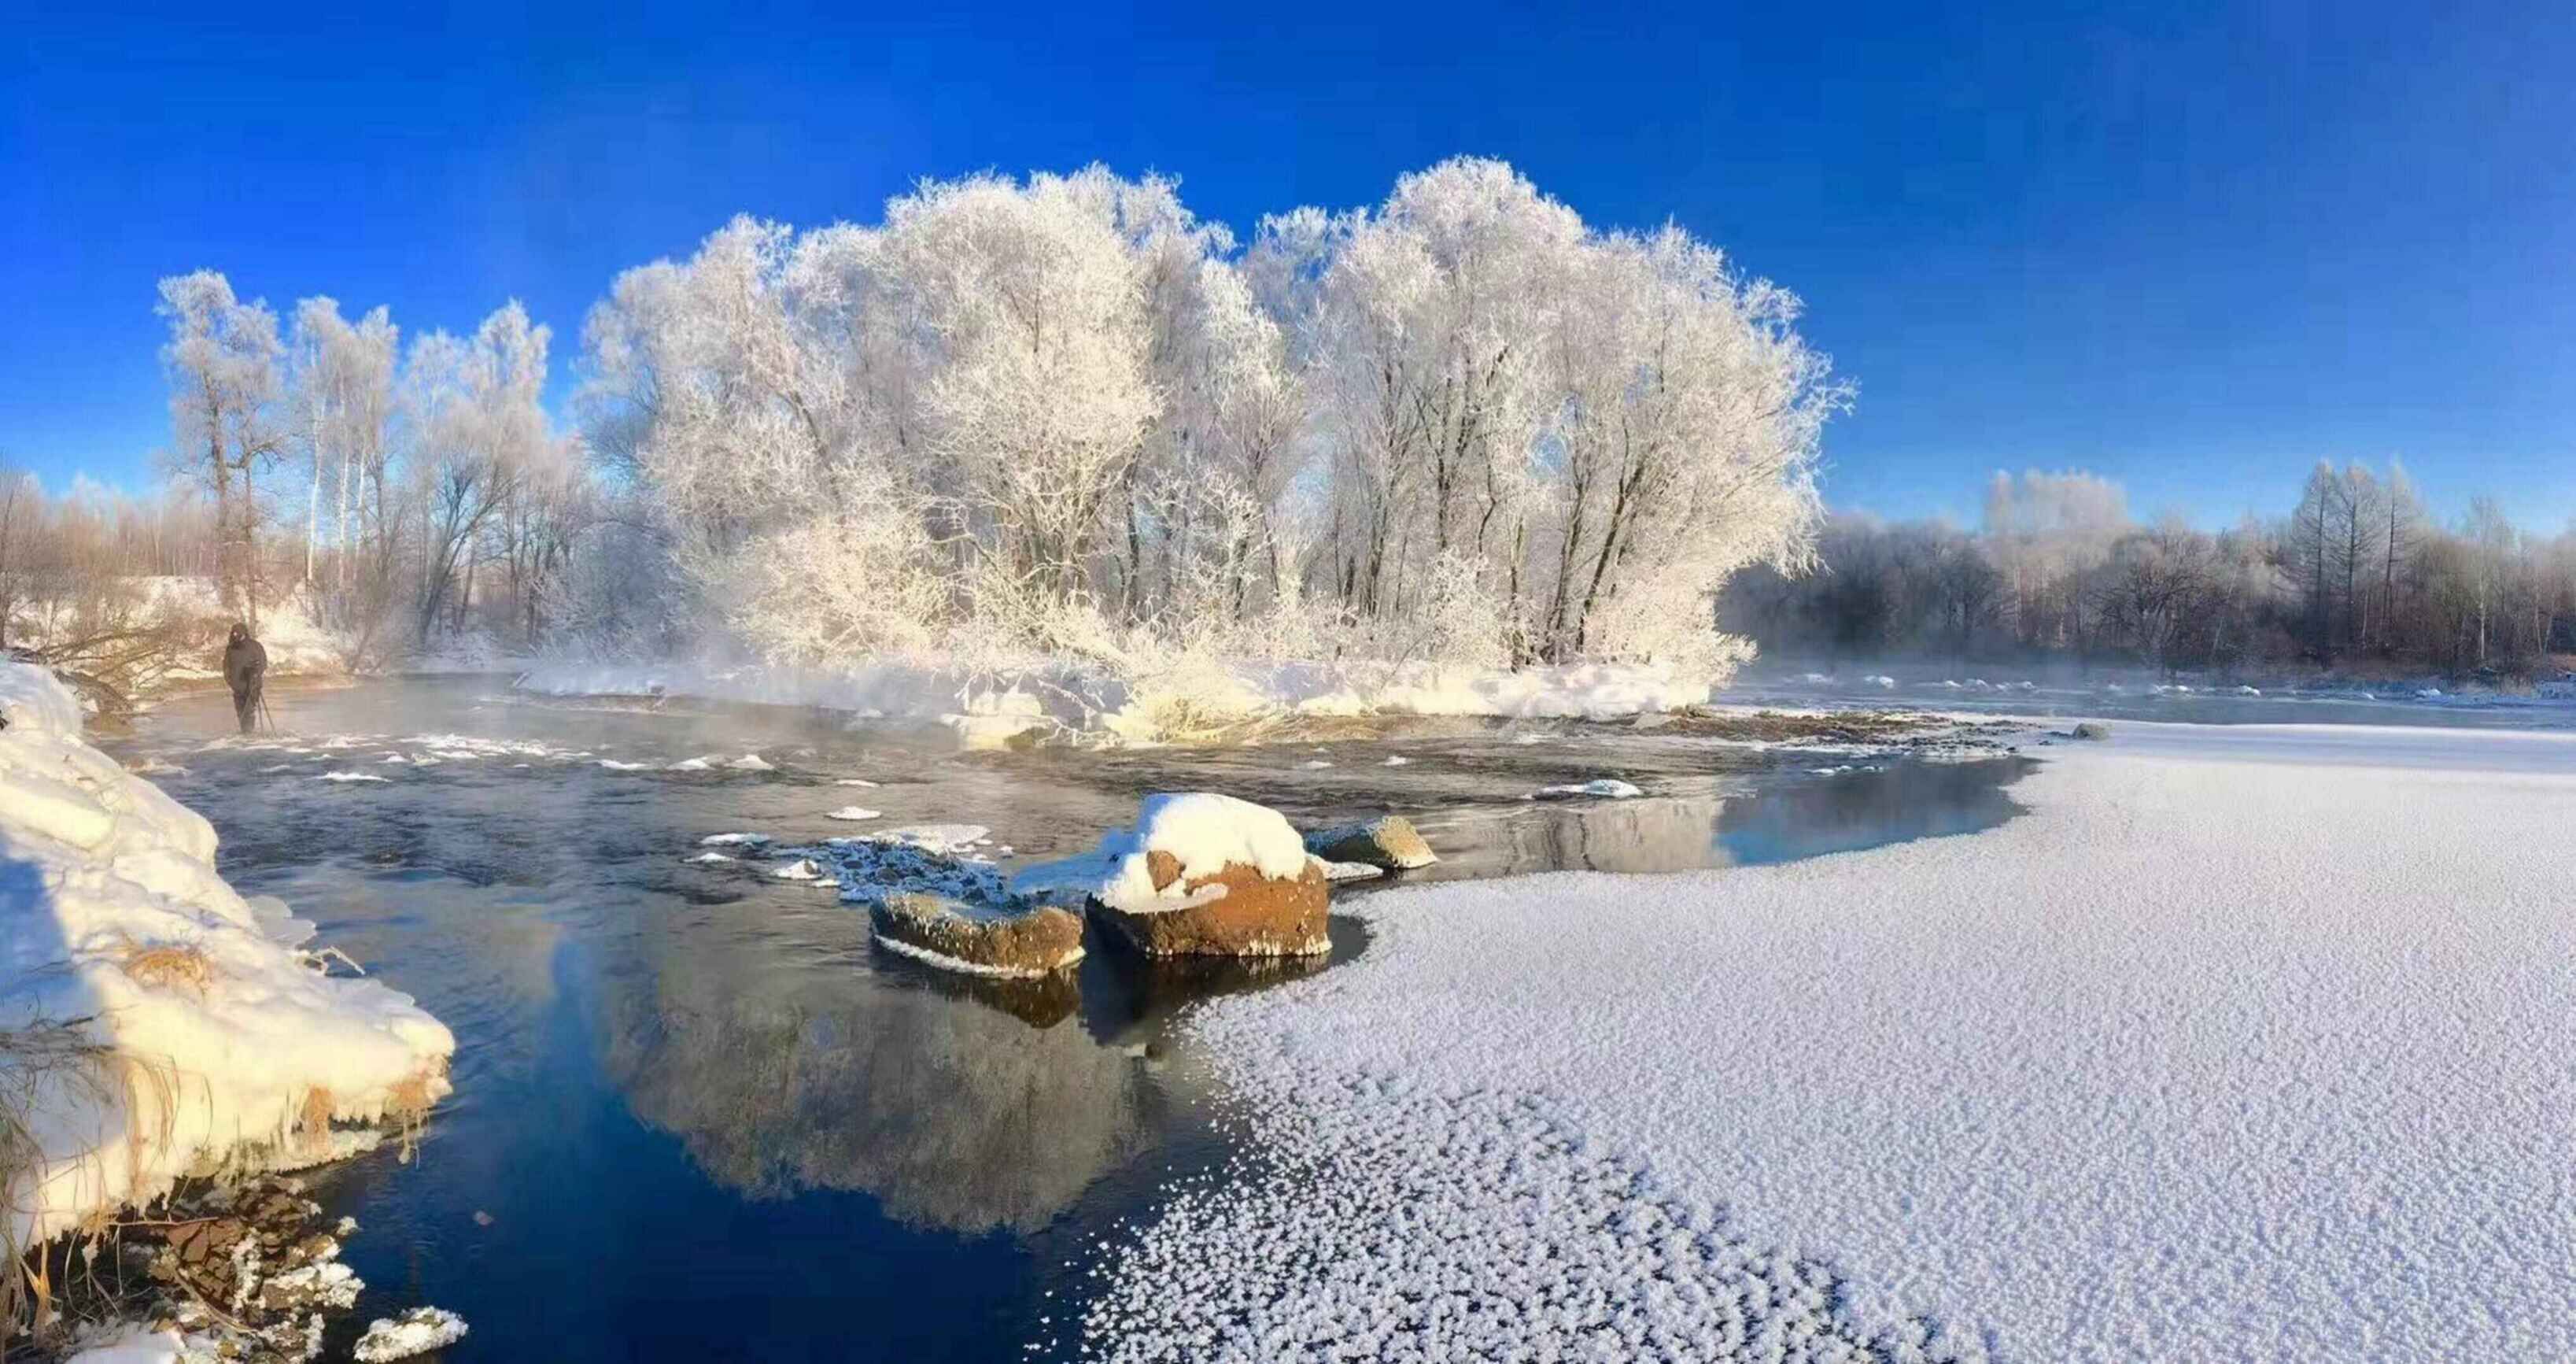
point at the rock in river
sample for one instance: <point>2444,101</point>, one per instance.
<point>1389,841</point>
<point>1235,911</point>
<point>1021,940</point>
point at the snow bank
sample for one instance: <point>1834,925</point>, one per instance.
<point>156,1019</point>
<point>130,1343</point>
<point>1201,830</point>
<point>2246,1043</point>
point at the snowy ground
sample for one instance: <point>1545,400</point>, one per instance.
<point>2248,1043</point>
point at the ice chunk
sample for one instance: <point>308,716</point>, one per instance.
<point>416,1332</point>
<point>1607,788</point>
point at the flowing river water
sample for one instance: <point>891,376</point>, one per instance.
<point>700,1117</point>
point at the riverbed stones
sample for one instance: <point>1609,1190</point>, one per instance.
<point>1389,842</point>
<point>1235,911</point>
<point>1024,938</point>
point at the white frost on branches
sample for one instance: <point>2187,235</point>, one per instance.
<point>1063,418</point>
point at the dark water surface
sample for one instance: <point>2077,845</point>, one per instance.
<point>2133,696</point>
<point>699,1117</point>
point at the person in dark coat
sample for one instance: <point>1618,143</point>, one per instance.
<point>245,665</point>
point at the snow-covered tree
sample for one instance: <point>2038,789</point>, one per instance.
<point>222,359</point>
<point>1605,426</point>
<point>342,382</point>
<point>477,427</point>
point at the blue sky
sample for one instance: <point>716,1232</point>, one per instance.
<point>2192,247</point>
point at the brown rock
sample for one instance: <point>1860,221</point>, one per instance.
<point>1389,841</point>
<point>1018,941</point>
<point>211,1240</point>
<point>1256,917</point>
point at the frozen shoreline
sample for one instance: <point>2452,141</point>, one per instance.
<point>158,1023</point>
<point>2247,1043</point>
<point>1059,696</point>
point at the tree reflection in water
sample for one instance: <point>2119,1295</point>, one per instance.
<point>965,1106</point>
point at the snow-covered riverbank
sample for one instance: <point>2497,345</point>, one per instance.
<point>1065,697</point>
<point>152,1021</point>
<point>2247,1043</point>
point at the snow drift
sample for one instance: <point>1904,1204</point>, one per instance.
<point>153,1022</point>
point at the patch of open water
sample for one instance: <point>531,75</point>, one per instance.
<point>699,1116</point>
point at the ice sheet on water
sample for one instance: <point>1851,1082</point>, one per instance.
<point>854,812</point>
<point>348,776</point>
<point>1985,1108</point>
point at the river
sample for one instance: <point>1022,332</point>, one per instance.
<point>699,1116</point>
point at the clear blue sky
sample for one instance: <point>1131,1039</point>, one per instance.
<point>2193,247</point>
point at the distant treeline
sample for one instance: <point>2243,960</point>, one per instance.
<point>2358,575</point>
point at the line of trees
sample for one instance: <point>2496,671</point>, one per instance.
<point>1043,419</point>
<point>1063,417</point>
<point>2358,574</point>
<point>400,493</point>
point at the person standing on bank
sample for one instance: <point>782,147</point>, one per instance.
<point>245,664</point>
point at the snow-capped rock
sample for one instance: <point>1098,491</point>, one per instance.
<point>1201,874</point>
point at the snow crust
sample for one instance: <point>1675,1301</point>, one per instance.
<point>114,921</point>
<point>1203,830</point>
<point>2248,1043</point>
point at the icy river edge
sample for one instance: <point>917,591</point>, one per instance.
<point>2248,1043</point>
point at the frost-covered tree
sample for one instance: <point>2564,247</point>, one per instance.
<point>477,427</point>
<point>1602,427</point>
<point>342,383</point>
<point>1061,415</point>
<point>222,359</point>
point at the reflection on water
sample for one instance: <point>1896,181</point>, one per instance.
<point>700,1116</point>
<point>961,1117</point>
